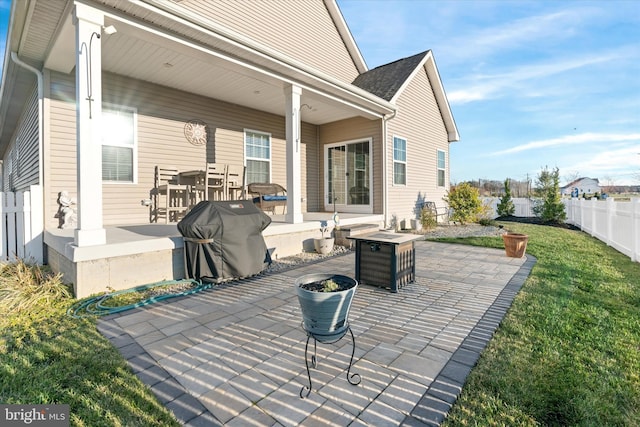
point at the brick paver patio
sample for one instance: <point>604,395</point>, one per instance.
<point>233,355</point>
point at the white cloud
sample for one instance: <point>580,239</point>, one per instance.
<point>488,86</point>
<point>618,166</point>
<point>583,138</point>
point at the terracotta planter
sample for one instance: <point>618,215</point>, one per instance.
<point>325,314</point>
<point>515,244</point>
<point>323,245</point>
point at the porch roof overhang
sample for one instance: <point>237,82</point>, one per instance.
<point>163,43</point>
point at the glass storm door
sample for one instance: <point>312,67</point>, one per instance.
<point>349,177</point>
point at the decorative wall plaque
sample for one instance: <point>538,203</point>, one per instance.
<point>196,132</point>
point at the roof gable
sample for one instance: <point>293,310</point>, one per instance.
<point>386,80</point>
<point>389,81</point>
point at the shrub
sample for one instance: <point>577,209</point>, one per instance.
<point>549,208</point>
<point>506,206</point>
<point>428,218</point>
<point>465,202</point>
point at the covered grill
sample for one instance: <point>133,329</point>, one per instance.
<point>223,240</point>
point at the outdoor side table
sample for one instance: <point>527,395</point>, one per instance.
<point>385,259</point>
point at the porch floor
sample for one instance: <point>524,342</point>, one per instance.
<point>133,239</point>
<point>233,355</point>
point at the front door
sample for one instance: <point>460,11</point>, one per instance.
<point>348,177</point>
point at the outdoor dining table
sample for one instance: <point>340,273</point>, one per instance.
<point>191,177</point>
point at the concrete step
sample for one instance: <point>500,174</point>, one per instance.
<point>343,233</point>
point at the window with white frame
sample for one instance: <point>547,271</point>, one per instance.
<point>119,146</point>
<point>257,156</point>
<point>399,161</point>
<point>442,167</point>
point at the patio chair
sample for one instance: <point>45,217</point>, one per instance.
<point>171,199</point>
<point>268,195</point>
<point>235,181</point>
<point>213,185</point>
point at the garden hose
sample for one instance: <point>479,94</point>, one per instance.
<point>95,306</point>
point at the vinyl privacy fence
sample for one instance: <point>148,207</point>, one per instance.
<point>615,222</point>
<point>22,228</point>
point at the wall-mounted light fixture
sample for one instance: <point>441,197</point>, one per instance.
<point>110,30</point>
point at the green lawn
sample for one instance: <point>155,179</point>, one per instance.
<point>47,357</point>
<point>568,351</point>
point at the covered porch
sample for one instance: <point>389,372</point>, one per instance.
<point>242,94</point>
<point>147,253</point>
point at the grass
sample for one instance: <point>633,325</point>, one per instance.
<point>568,351</point>
<point>47,357</point>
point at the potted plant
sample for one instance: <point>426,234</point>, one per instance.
<point>325,300</point>
<point>515,244</point>
<point>323,245</point>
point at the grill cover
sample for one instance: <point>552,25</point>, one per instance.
<point>223,240</point>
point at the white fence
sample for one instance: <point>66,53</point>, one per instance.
<point>22,225</point>
<point>524,206</point>
<point>617,223</point>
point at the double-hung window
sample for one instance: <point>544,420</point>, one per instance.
<point>258,156</point>
<point>399,161</point>
<point>442,167</point>
<point>119,146</point>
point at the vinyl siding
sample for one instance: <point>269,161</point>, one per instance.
<point>24,151</point>
<point>352,130</point>
<point>161,115</point>
<point>302,30</point>
<point>420,123</point>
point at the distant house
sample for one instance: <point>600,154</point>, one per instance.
<point>95,94</point>
<point>580,186</point>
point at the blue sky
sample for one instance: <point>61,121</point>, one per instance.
<point>530,83</point>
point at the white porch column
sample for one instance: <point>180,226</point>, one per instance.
<point>88,23</point>
<point>292,124</point>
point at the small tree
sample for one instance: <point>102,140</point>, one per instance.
<point>550,207</point>
<point>506,206</point>
<point>465,202</point>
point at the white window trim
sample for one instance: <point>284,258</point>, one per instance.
<point>345,207</point>
<point>394,161</point>
<point>244,147</point>
<point>134,111</point>
<point>438,168</point>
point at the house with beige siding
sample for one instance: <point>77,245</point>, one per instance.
<point>96,93</point>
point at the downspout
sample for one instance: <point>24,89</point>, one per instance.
<point>39,77</point>
<point>385,195</point>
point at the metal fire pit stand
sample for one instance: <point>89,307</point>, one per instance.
<point>354,379</point>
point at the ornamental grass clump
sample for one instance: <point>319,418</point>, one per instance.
<point>30,287</point>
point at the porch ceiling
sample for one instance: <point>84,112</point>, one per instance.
<point>141,51</point>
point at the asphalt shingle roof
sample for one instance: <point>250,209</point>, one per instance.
<point>385,81</point>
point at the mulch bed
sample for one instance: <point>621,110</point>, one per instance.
<point>536,221</point>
